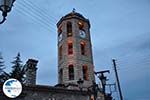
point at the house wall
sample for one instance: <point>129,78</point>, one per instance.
<point>48,93</point>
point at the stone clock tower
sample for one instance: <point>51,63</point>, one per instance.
<point>75,59</point>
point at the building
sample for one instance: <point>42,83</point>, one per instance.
<point>75,59</point>
<point>75,63</point>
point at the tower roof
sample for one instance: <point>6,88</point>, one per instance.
<point>73,14</point>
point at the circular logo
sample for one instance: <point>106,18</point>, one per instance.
<point>12,88</point>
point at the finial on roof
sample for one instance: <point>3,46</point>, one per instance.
<point>73,10</point>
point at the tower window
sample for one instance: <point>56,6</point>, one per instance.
<point>70,48</point>
<point>69,29</point>
<point>71,72</point>
<point>82,46</point>
<point>80,24</point>
<point>60,52</point>
<point>92,97</point>
<point>85,72</point>
<point>60,29</point>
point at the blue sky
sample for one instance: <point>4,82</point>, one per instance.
<point>119,29</point>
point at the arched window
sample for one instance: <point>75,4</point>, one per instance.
<point>60,33</point>
<point>60,52</point>
<point>85,72</point>
<point>92,97</point>
<point>81,25</point>
<point>82,46</point>
<point>69,29</point>
<point>71,72</point>
<point>59,30</point>
<point>70,48</point>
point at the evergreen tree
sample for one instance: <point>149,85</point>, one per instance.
<point>2,66</point>
<point>17,69</point>
<point>3,75</point>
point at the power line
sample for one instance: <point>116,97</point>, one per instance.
<point>129,60</point>
<point>33,19</point>
<point>134,65</point>
<point>39,17</point>
<point>125,58</point>
<point>136,68</point>
<point>31,15</point>
<point>42,11</point>
<point>37,13</point>
<point>36,16</point>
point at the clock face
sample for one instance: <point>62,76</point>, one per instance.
<point>82,34</point>
<point>60,37</point>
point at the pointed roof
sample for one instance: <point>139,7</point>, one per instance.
<point>73,14</point>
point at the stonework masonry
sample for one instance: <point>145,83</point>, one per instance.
<point>76,59</point>
<point>66,89</point>
<point>39,92</point>
<point>30,75</point>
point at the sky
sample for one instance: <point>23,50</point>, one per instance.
<point>119,30</point>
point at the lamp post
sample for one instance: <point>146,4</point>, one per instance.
<point>80,83</point>
<point>103,80</point>
<point>95,90</point>
<point>5,7</point>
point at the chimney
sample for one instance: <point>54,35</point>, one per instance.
<point>30,74</point>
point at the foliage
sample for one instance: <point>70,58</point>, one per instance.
<point>2,66</point>
<point>17,69</point>
<point>3,75</point>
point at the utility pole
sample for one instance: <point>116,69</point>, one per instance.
<point>117,79</point>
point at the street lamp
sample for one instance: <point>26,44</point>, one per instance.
<point>80,82</point>
<point>102,78</point>
<point>103,81</point>
<point>5,7</point>
<point>95,89</point>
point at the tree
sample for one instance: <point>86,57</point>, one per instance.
<point>3,74</point>
<point>17,69</point>
<point>2,66</point>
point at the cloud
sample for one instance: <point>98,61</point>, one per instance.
<point>119,29</point>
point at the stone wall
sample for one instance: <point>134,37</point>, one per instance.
<point>40,92</point>
<point>76,59</point>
